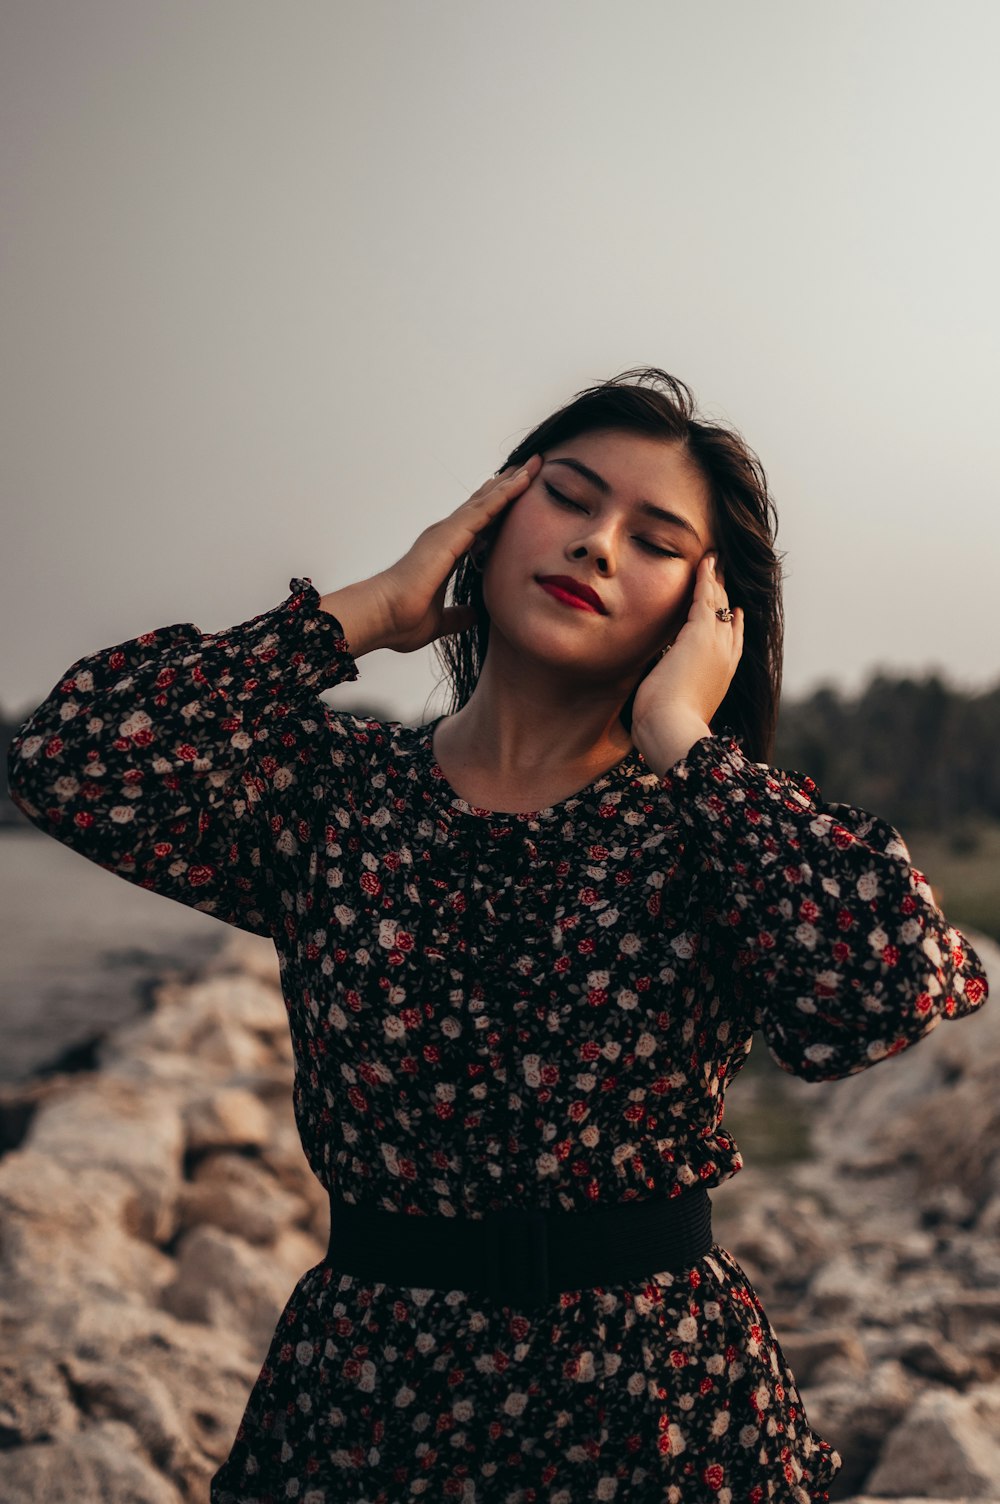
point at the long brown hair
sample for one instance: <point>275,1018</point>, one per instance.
<point>647,400</point>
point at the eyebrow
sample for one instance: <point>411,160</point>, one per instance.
<point>648,507</point>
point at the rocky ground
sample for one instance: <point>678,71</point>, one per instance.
<point>156,1212</point>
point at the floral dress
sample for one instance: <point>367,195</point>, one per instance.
<point>492,1010</point>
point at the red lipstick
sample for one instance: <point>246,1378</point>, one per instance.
<point>572,592</point>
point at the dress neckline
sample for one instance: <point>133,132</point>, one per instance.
<point>629,766</point>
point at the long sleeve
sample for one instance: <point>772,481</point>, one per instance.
<point>829,937</point>
<point>181,760</point>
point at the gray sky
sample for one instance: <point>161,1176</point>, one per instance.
<point>281,284</point>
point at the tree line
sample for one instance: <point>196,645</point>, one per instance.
<point>917,751</point>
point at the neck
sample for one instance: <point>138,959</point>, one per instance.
<point>526,727</point>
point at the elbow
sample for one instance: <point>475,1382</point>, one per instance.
<point>814,1064</point>
<point>19,789</point>
<point>28,788</point>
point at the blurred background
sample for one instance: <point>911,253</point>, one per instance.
<point>280,286</point>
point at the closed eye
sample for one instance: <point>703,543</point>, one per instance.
<point>564,500</point>
<point>654,548</point>
<point>644,543</point>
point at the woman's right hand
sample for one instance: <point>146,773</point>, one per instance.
<point>403,607</point>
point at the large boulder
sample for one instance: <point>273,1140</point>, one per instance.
<point>223,1281</point>
<point>135,1132</point>
<point>240,1196</point>
<point>229,1117</point>
<point>855,1414</point>
<point>69,1233</point>
<point>227,1025</point>
<point>104,1462</point>
<point>180,1387</point>
<point>948,1445</point>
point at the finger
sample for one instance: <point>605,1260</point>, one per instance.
<point>485,506</point>
<point>708,589</point>
<point>704,578</point>
<point>510,475</point>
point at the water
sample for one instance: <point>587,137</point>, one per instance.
<point>80,947</point>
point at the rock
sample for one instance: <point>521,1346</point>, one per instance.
<point>284,1156</point>
<point>242,1197</point>
<point>948,1444</point>
<point>929,1354</point>
<point>35,1402</point>
<point>180,1387</point>
<point>223,1281</point>
<point>974,1260</point>
<point>124,1390</point>
<point>223,1025</point>
<point>855,1416</point>
<point>925,1351</point>
<point>921,1296</point>
<point>850,1282</point>
<point>219,1045</point>
<point>912,1249</point>
<point>946,1206</point>
<point>112,1123</point>
<point>228,1118</point>
<point>246,955</point>
<point>104,1463</point>
<point>72,1234</point>
<point>820,1355</point>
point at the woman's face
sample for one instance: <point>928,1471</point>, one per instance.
<point>622,515</point>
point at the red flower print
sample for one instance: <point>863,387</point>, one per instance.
<point>975,990</point>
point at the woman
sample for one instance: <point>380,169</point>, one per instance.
<point>523,949</point>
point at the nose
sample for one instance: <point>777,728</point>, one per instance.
<point>596,545</point>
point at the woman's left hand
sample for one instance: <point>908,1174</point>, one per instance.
<point>679,696</point>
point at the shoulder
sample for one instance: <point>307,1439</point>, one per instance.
<point>369,740</point>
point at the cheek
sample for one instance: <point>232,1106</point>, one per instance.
<point>657,609</point>
<point>521,540</point>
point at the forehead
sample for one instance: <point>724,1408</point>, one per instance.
<point>639,468</point>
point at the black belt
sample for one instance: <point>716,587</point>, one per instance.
<point>522,1256</point>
